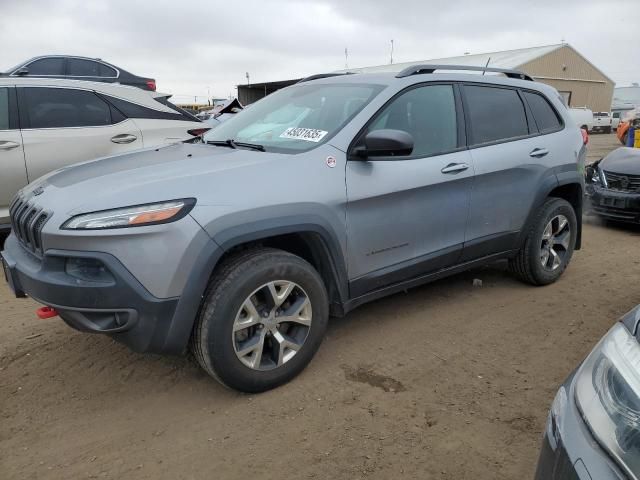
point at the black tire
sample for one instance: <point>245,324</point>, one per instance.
<point>213,341</point>
<point>608,130</point>
<point>527,264</point>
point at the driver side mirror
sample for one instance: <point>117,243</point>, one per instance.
<point>385,143</point>
<point>22,71</point>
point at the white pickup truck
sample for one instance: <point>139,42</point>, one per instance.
<point>602,122</point>
<point>583,118</point>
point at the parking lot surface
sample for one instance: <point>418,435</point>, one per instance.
<point>447,381</point>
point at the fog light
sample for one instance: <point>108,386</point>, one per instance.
<point>88,269</point>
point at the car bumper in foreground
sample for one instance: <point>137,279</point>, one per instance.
<point>569,451</point>
<point>614,205</point>
<point>112,302</point>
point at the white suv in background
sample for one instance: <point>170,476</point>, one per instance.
<point>46,124</point>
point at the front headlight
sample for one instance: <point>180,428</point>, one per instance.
<point>596,176</point>
<point>608,396</point>
<point>135,216</point>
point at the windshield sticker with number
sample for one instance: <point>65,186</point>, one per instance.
<point>307,134</point>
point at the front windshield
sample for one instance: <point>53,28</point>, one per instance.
<point>297,118</point>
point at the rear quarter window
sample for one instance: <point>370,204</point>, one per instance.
<point>132,110</point>
<point>495,114</point>
<point>545,116</point>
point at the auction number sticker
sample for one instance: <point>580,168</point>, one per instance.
<point>307,134</point>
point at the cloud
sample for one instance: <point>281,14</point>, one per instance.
<point>191,46</point>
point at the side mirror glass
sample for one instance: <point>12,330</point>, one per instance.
<point>385,143</point>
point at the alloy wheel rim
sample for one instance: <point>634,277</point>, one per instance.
<point>554,246</point>
<point>272,325</point>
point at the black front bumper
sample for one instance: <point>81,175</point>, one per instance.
<point>613,205</point>
<point>569,451</point>
<point>120,306</point>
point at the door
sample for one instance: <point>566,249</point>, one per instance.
<point>13,174</point>
<point>406,216</point>
<point>45,67</point>
<point>512,160</point>
<point>67,125</point>
<point>83,69</point>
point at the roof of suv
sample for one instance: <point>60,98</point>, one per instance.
<point>125,92</point>
<point>392,79</point>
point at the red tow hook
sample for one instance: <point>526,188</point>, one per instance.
<point>46,312</point>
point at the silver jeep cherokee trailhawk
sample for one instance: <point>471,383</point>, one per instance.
<point>320,197</point>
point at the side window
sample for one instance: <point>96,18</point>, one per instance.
<point>60,107</point>
<point>78,67</point>
<point>495,114</point>
<point>545,116</point>
<point>107,71</point>
<point>47,66</point>
<point>4,109</point>
<point>427,113</point>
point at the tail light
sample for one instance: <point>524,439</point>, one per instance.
<point>198,132</point>
<point>151,84</point>
<point>585,136</point>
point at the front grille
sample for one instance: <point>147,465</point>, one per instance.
<point>622,182</point>
<point>27,220</point>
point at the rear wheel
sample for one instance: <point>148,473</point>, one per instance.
<point>262,320</point>
<point>549,244</point>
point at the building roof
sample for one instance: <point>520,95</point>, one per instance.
<point>504,59</point>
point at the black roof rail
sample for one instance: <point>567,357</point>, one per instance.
<point>422,69</point>
<point>322,75</point>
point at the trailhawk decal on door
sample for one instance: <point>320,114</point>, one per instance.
<point>307,134</point>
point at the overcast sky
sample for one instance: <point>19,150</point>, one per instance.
<point>190,46</point>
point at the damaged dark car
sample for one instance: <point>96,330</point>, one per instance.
<point>613,186</point>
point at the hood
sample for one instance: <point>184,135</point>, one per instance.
<point>176,171</point>
<point>623,160</point>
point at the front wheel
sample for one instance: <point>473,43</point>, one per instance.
<point>262,320</point>
<point>549,244</point>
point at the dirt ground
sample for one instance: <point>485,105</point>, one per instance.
<point>447,381</point>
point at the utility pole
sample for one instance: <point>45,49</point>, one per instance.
<point>391,60</point>
<point>247,75</point>
<point>346,58</point>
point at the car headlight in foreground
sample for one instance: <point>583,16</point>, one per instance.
<point>134,216</point>
<point>608,396</point>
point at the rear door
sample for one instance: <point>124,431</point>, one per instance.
<point>406,216</point>
<point>159,127</point>
<point>83,69</point>
<point>512,162</point>
<point>13,174</point>
<point>62,126</point>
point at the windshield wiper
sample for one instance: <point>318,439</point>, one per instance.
<point>231,143</point>
<point>222,143</point>
<point>252,146</point>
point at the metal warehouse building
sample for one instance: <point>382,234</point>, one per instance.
<point>580,82</point>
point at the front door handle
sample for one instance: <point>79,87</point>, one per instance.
<point>538,152</point>
<point>7,145</point>
<point>124,138</point>
<point>455,168</point>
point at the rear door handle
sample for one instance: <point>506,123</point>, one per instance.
<point>124,138</point>
<point>538,152</point>
<point>7,145</point>
<point>455,168</point>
